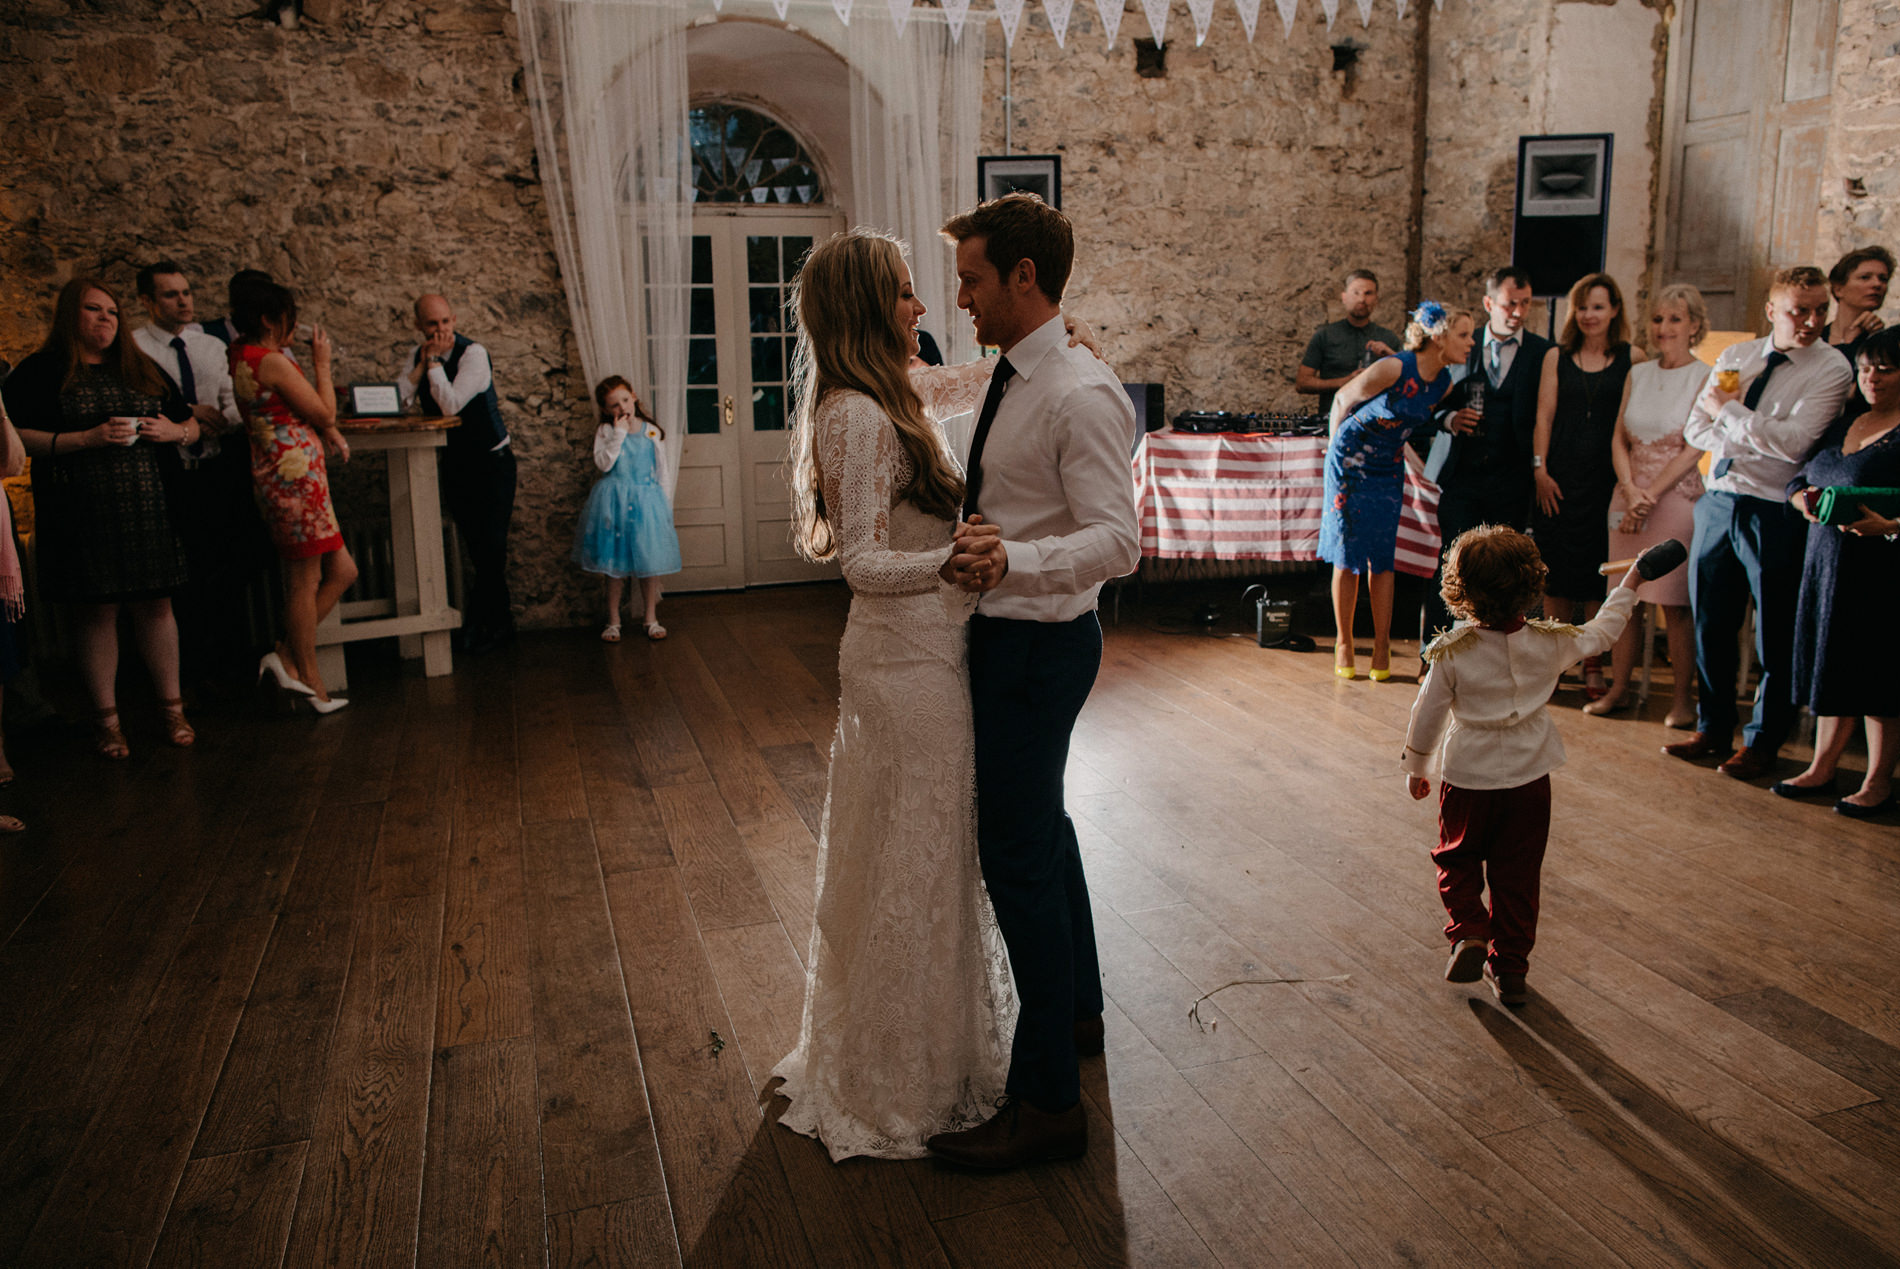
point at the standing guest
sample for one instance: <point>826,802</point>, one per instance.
<point>1577,403</point>
<point>1657,485</point>
<point>12,590</point>
<point>1365,471</point>
<point>1848,602</point>
<point>1858,283</point>
<point>626,526</point>
<point>212,504</point>
<point>92,411</point>
<point>1339,350</point>
<point>450,374</point>
<point>286,414</point>
<point>1486,475</point>
<point>1485,696</point>
<point>1749,540</point>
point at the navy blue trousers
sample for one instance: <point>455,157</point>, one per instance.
<point>1028,680</point>
<point>1745,548</point>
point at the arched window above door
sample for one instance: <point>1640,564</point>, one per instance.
<point>743,156</point>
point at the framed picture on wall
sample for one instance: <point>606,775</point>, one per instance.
<point>1038,174</point>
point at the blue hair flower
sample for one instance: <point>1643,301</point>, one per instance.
<point>1430,316</point>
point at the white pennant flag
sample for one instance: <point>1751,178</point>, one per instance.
<point>900,14</point>
<point>1401,10</point>
<point>1439,5</point>
<point>780,6</point>
<point>1249,11</point>
<point>1011,12</point>
<point>1058,11</point>
<point>717,5</point>
<point>1202,11</point>
<point>1157,11</point>
<point>1110,11</point>
<point>1365,12</point>
<point>1286,8</point>
<point>843,9</point>
<point>1331,9</point>
<point>954,11</point>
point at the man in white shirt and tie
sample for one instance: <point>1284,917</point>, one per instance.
<point>1049,465</point>
<point>213,504</point>
<point>1749,541</point>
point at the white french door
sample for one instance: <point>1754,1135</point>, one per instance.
<point>732,504</point>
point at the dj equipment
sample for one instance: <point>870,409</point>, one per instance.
<point>1202,421</point>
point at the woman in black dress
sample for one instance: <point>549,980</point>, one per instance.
<point>93,412</point>
<point>1578,400</point>
<point>1850,603</point>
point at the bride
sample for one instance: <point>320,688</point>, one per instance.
<point>908,1005</point>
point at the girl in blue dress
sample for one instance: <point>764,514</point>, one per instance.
<point>1365,470</point>
<point>626,526</point>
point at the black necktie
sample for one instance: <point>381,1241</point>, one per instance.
<point>973,470</point>
<point>187,382</point>
<point>1753,398</point>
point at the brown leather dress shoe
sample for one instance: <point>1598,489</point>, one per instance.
<point>1751,763</point>
<point>1018,1135</point>
<point>1089,1037</point>
<point>1700,744</point>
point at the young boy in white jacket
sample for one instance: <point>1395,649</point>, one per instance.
<point>1484,696</point>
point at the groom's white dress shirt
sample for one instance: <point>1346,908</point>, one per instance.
<point>1059,480</point>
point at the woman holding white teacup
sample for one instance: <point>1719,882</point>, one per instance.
<point>94,413</point>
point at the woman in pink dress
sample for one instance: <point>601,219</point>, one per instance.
<point>1656,488</point>
<point>286,415</point>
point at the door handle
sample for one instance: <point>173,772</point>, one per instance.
<point>727,409</point>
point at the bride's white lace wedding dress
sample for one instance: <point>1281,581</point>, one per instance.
<point>908,1005</point>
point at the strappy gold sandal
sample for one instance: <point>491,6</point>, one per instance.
<point>108,739</point>
<point>177,731</point>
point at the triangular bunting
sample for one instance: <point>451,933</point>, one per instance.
<point>954,11</point>
<point>1439,5</point>
<point>1286,8</point>
<point>1157,11</point>
<point>780,7</point>
<point>1249,11</point>
<point>1365,11</point>
<point>843,9</point>
<point>1202,11</point>
<point>1110,11</point>
<point>1011,13</point>
<point>1331,9</point>
<point>1058,11</point>
<point>1401,10</point>
<point>900,14</point>
<point>717,5</point>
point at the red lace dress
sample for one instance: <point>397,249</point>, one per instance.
<point>287,469</point>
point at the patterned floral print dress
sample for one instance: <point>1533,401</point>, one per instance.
<point>287,468</point>
<point>1365,472</point>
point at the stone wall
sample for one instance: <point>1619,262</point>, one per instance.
<point>1219,206</point>
<point>1860,182</point>
<point>380,150</point>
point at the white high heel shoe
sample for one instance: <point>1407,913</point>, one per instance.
<point>330,706</point>
<point>273,665</point>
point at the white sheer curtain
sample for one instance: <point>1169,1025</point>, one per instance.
<point>915,101</point>
<point>606,86</point>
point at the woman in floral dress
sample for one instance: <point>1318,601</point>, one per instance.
<point>291,424</point>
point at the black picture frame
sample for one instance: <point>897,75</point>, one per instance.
<point>375,400</point>
<point>1038,174</point>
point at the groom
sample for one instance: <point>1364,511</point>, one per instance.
<point>1049,464</point>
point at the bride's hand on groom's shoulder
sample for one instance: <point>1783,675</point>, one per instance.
<point>1080,332</point>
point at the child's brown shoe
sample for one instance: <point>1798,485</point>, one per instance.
<point>1510,989</point>
<point>1467,961</point>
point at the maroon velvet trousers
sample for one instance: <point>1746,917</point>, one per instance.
<point>1494,837</point>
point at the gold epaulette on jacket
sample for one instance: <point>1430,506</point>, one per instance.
<point>1448,642</point>
<point>1548,626</point>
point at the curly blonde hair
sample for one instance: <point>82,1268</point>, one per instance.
<point>1493,575</point>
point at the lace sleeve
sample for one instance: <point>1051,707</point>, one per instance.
<point>952,390</point>
<point>858,462</point>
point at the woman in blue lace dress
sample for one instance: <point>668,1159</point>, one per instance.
<point>1365,471</point>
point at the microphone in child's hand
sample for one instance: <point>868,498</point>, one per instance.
<point>1664,557</point>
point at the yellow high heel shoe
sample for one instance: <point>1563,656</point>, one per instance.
<point>1378,676</point>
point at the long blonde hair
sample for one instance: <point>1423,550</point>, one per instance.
<point>849,340</point>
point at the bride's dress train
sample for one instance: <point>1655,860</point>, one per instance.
<point>908,1005</point>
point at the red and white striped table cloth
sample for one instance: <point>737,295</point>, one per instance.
<point>1242,496</point>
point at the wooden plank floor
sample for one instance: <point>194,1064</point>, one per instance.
<point>493,969</point>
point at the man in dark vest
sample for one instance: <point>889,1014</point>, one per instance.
<point>1486,476</point>
<point>450,374</point>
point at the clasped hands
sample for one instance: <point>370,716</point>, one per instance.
<point>978,559</point>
